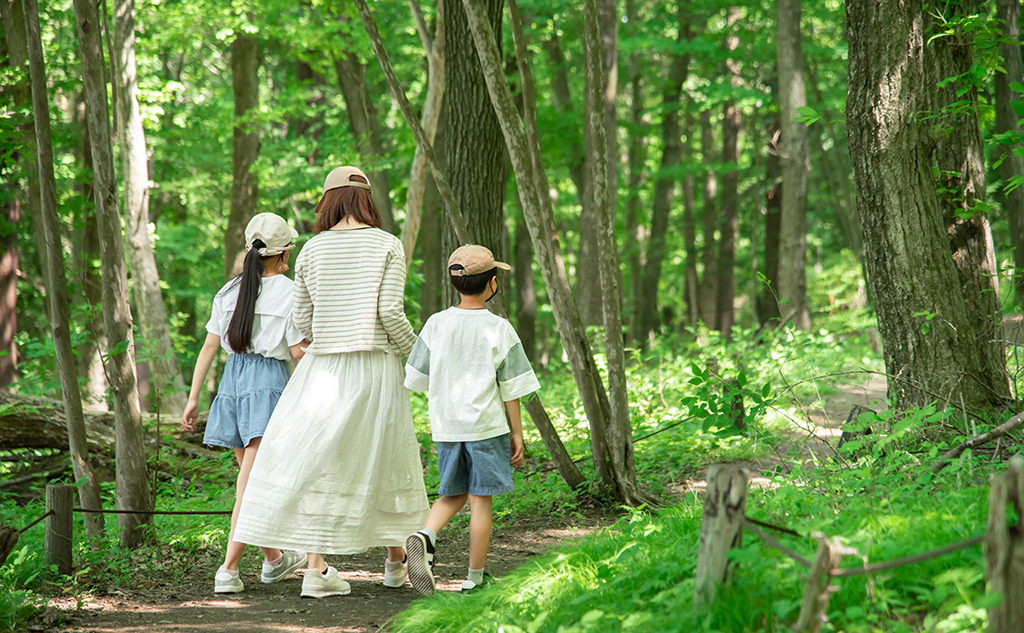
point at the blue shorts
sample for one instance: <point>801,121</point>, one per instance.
<point>481,468</point>
<point>248,392</point>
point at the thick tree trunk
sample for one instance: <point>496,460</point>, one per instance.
<point>474,147</point>
<point>931,348</point>
<point>770,310</point>
<point>725,291</point>
<point>149,299</point>
<point>637,155</point>
<point>960,158</point>
<point>245,148</point>
<point>709,278</point>
<point>132,487</point>
<point>434,49</point>
<point>664,185</point>
<point>13,16</point>
<point>793,232</point>
<point>1007,121</point>
<point>362,120</point>
<point>88,486</point>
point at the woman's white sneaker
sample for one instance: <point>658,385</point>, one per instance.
<point>316,584</point>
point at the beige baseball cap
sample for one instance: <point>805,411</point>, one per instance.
<point>341,177</point>
<point>273,230</point>
<point>474,260</point>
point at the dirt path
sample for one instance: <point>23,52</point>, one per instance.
<point>151,601</point>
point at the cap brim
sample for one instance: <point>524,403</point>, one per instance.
<point>502,265</point>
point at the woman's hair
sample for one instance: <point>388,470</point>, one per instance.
<point>471,284</point>
<point>249,284</point>
<point>342,202</point>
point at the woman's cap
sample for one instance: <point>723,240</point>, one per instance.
<point>342,177</point>
<point>273,230</point>
<point>474,260</point>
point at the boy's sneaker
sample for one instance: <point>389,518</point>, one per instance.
<point>419,553</point>
<point>290,562</point>
<point>319,585</point>
<point>468,586</point>
<point>395,573</point>
<point>226,582</point>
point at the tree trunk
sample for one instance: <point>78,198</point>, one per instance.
<point>245,149</point>
<point>691,290</point>
<point>434,49</point>
<point>770,309</point>
<point>9,294</point>
<point>664,184</point>
<point>725,291</point>
<point>435,262</point>
<point>709,278</point>
<point>793,231</point>
<point>149,299</point>
<point>637,155</point>
<point>88,486</point>
<point>1012,166</point>
<point>526,294</point>
<point>474,147</point>
<point>132,487</point>
<point>13,15</point>
<point>931,348</point>
<point>362,119</point>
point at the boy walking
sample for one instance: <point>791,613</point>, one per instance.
<point>471,361</point>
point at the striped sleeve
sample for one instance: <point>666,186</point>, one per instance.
<point>391,300</point>
<point>302,304</point>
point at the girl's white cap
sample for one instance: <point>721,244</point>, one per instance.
<point>273,230</point>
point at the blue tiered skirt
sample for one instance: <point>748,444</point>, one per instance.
<point>248,393</point>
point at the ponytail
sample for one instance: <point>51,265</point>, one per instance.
<point>249,284</point>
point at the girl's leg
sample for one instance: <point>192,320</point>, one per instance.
<point>316,561</point>
<point>396,554</point>
<point>479,530</point>
<point>443,510</point>
<point>233,555</point>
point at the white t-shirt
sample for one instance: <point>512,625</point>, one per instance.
<point>272,329</point>
<point>472,362</point>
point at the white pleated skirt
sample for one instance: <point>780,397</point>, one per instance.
<point>338,470</point>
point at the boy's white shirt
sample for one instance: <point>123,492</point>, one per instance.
<point>272,329</point>
<point>472,362</point>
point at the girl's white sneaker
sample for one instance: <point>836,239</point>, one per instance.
<point>319,585</point>
<point>395,573</point>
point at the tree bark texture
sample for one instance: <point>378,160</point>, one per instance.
<point>414,196</point>
<point>362,117</point>
<point>664,184</point>
<point>709,277</point>
<point>149,299</point>
<point>88,491</point>
<point>725,288</point>
<point>9,293</point>
<point>1004,549</point>
<point>793,231</point>
<point>636,157</point>
<point>770,310</point>
<point>245,149</point>
<point>931,349</point>
<point>1008,121</point>
<point>960,158</point>
<point>474,147</point>
<point>132,487</point>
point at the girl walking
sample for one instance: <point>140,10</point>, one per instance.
<point>340,471</point>
<point>251,320</point>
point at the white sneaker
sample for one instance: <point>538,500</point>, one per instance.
<point>318,585</point>
<point>290,562</point>
<point>226,582</point>
<point>395,573</point>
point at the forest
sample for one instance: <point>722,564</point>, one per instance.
<point>786,237</point>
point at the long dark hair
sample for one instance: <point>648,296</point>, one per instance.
<point>249,284</point>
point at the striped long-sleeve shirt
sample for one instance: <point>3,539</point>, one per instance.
<point>349,288</point>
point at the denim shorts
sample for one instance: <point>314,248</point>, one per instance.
<point>481,468</point>
<point>248,392</point>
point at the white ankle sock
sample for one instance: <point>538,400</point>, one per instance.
<point>277,561</point>
<point>230,572</point>
<point>431,534</point>
<point>476,576</point>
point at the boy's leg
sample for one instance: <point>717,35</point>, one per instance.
<point>443,510</point>
<point>480,525</point>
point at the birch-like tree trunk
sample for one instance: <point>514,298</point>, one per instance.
<point>1007,120</point>
<point>770,310</point>
<point>245,149</point>
<point>414,196</point>
<point>636,156</point>
<point>88,485</point>
<point>149,299</point>
<point>793,233</point>
<point>132,485</point>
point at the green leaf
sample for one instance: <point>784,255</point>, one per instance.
<point>767,389</point>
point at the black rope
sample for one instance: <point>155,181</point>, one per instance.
<point>48,513</point>
<point>146,512</point>
<point>906,560</point>
<point>767,539</point>
<point>777,528</point>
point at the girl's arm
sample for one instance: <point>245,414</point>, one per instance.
<point>210,347</point>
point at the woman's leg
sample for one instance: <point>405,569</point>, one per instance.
<point>233,555</point>
<point>479,530</point>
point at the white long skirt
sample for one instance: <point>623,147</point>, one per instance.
<point>338,470</point>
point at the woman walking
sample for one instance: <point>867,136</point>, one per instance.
<point>340,471</point>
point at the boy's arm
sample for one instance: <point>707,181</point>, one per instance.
<point>515,418</point>
<point>417,368</point>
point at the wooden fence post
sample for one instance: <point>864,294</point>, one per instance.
<point>1004,550</point>
<point>818,590</point>
<point>719,532</point>
<point>57,544</point>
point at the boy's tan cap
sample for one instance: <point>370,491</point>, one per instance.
<point>273,230</point>
<point>341,177</point>
<point>474,260</point>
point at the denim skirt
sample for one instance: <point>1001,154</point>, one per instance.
<point>248,392</point>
